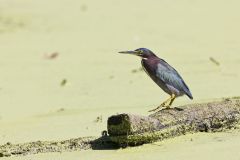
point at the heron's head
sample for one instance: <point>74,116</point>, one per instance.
<point>141,52</point>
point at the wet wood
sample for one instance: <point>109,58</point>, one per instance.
<point>128,129</point>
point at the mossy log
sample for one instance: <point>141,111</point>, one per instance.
<point>128,129</point>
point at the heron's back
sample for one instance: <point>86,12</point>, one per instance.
<point>166,77</point>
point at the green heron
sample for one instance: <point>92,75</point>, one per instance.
<point>164,75</point>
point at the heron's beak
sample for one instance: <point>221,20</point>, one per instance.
<point>129,52</point>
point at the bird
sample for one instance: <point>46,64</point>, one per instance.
<point>163,74</point>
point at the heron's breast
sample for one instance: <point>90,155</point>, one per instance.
<point>150,67</point>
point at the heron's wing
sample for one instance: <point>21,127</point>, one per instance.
<point>171,77</point>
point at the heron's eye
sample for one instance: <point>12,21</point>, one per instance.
<point>140,51</point>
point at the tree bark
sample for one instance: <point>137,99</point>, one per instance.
<point>128,129</point>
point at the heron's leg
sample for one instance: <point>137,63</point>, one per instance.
<point>162,105</point>
<point>173,96</point>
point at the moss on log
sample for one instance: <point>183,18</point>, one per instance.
<point>128,129</point>
<point>74,144</point>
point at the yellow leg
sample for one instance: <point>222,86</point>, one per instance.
<point>164,104</point>
<point>173,96</point>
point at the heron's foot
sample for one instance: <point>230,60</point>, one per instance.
<point>168,107</point>
<point>161,106</point>
<point>165,105</point>
<point>155,109</point>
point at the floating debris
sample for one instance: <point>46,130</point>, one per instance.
<point>51,55</point>
<point>63,82</point>
<point>61,110</point>
<point>137,70</point>
<point>10,23</point>
<point>98,119</point>
<point>111,77</point>
<point>8,143</point>
<point>214,61</point>
<point>83,7</point>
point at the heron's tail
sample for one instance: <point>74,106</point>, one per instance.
<point>189,94</point>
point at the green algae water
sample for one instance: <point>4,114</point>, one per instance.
<point>87,36</point>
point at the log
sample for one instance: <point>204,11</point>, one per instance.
<point>130,130</point>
